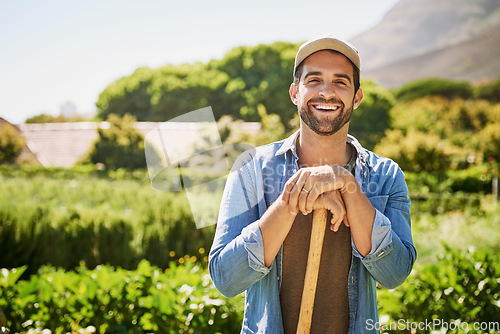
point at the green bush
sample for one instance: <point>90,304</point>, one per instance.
<point>490,141</point>
<point>415,151</point>
<point>11,143</point>
<point>180,299</point>
<point>450,89</point>
<point>466,129</point>
<point>68,216</point>
<point>490,92</point>
<point>371,119</point>
<point>461,286</point>
<point>471,181</point>
<point>120,145</point>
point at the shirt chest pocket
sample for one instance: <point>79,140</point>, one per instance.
<point>379,202</point>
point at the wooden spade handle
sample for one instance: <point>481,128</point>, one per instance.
<point>312,270</point>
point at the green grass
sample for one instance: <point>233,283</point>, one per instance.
<point>70,218</point>
<point>80,217</point>
<point>475,227</point>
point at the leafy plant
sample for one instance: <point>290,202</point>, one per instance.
<point>450,89</point>
<point>65,217</point>
<point>11,143</point>
<point>180,299</point>
<point>119,145</point>
<point>461,286</point>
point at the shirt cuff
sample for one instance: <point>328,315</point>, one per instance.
<point>252,241</point>
<point>381,237</point>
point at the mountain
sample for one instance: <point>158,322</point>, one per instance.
<point>456,39</point>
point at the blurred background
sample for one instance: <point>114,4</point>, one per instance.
<point>87,245</point>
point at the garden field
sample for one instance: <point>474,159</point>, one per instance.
<point>88,251</point>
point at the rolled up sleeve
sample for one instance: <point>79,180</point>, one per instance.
<point>236,259</point>
<point>393,254</point>
<point>252,240</point>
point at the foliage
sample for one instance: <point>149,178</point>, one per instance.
<point>234,85</point>
<point>11,143</point>
<point>415,151</point>
<point>175,90</point>
<point>446,88</point>
<point>462,285</point>
<point>259,75</point>
<point>127,95</point>
<point>45,118</point>
<point>272,128</point>
<point>120,145</point>
<point>444,117</point>
<point>462,219</point>
<point>230,131</point>
<point>489,141</point>
<point>64,217</point>
<point>490,92</point>
<point>180,299</point>
<point>245,80</point>
<point>471,181</point>
<point>465,130</point>
<point>371,119</point>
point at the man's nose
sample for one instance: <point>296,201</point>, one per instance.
<point>327,91</point>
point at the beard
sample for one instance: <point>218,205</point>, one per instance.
<point>326,126</point>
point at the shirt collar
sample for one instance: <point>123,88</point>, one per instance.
<point>290,144</point>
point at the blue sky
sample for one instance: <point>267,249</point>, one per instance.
<point>54,51</point>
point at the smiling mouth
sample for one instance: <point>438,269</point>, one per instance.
<point>325,107</point>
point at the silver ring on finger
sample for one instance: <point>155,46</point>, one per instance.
<point>305,190</point>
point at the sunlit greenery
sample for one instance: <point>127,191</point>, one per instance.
<point>98,250</point>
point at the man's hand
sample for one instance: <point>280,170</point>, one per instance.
<point>333,202</point>
<point>303,189</point>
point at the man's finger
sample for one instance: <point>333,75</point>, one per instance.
<point>337,217</point>
<point>289,185</point>
<point>302,200</point>
<point>295,191</point>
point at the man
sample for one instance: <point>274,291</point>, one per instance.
<point>262,237</point>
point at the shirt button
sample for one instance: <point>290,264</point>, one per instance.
<point>278,278</point>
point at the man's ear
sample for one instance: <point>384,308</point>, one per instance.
<point>293,93</point>
<point>357,98</point>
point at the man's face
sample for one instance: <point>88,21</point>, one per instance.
<point>324,94</point>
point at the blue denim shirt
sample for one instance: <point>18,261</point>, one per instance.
<point>236,260</point>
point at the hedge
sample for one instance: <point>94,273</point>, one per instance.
<point>180,299</point>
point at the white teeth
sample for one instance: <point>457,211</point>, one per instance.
<point>326,107</point>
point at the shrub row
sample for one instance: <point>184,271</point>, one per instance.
<point>64,217</point>
<point>180,299</point>
<point>68,219</point>
<point>447,88</point>
<point>462,286</point>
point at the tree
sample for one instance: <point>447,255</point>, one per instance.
<point>490,92</point>
<point>127,95</point>
<point>465,127</point>
<point>176,90</point>
<point>489,139</point>
<point>449,89</point>
<point>259,75</point>
<point>11,143</point>
<point>235,85</point>
<point>45,118</point>
<point>272,128</point>
<point>371,119</point>
<point>120,145</point>
<point>416,151</point>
